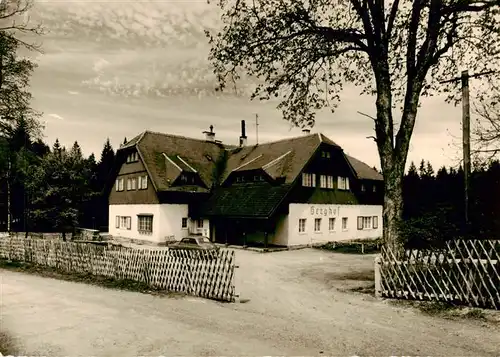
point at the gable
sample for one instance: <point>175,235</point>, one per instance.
<point>131,167</point>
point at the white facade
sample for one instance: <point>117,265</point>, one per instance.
<point>305,224</point>
<point>170,222</point>
<point>344,224</point>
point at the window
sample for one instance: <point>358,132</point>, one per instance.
<point>344,223</point>
<point>343,183</point>
<point>133,157</point>
<point>329,182</point>
<point>184,223</point>
<point>374,188</point>
<point>240,179</point>
<point>119,184</point>
<point>199,223</point>
<point>123,222</point>
<point>302,225</point>
<point>326,181</point>
<point>322,181</point>
<point>363,188</point>
<point>129,184</point>
<point>143,182</point>
<point>258,178</point>
<point>331,224</point>
<point>308,180</point>
<point>317,224</point>
<point>134,183</point>
<point>145,223</point>
<point>325,154</point>
<point>375,222</point>
<point>365,223</point>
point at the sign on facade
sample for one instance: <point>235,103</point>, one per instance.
<point>324,211</point>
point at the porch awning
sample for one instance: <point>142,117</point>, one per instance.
<point>252,200</point>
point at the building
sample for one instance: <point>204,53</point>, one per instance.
<point>289,192</point>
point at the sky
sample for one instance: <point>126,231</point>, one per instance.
<point>116,68</point>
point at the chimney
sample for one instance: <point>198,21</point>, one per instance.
<point>243,137</point>
<point>210,135</point>
<point>306,131</point>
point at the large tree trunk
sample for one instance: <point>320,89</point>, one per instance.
<point>393,209</point>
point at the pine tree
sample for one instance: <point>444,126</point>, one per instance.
<point>421,168</point>
<point>412,170</point>
<point>429,170</point>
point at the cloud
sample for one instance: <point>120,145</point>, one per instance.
<point>143,65</point>
<point>100,64</point>
<point>55,116</point>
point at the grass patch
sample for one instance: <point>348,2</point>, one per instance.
<point>121,284</point>
<point>353,247</point>
<point>369,290</point>
<point>448,310</point>
<point>356,275</point>
<point>7,345</point>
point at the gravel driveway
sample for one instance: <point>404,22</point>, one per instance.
<point>297,303</point>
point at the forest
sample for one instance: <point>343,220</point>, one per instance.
<point>52,189</point>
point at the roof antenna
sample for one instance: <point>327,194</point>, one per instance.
<point>257,129</point>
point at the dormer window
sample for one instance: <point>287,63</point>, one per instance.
<point>325,154</point>
<point>186,179</point>
<point>133,157</point>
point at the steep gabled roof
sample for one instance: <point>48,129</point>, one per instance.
<point>299,150</point>
<point>164,154</point>
<point>363,171</point>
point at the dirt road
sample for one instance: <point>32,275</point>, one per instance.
<point>296,307</point>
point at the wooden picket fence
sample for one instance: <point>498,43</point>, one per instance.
<point>463,272</point>
<point>204,274</point>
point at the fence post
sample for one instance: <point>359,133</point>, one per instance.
<point>378,276</point>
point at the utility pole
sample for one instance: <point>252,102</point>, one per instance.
<point>464,78</point>
<point>9,215</point>
<point>466,140</point>
<point>257,129</point>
